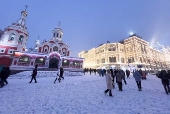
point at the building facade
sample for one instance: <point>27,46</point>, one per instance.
<point>52,53</point>
<point>131,52</point>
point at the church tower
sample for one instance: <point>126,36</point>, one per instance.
<point>15,36</point>
<point>57,33</point>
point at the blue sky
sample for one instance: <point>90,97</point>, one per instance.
<point>88,23</point>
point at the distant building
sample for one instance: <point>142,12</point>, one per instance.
<point>52,53</point>
<point>131,52</point>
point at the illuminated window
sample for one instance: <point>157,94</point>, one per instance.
<point>40,60</point>
<point>65,62</point>
<point>24,59</point>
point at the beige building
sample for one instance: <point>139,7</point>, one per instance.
<point>131,52</point>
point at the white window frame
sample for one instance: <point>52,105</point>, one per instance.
<point>3,50</point>
<point>10,50</point>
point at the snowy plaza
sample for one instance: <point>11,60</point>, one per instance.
<point>81,95</point>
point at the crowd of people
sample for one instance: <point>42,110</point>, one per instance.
<point>115,76</point>
<point>5,73</point>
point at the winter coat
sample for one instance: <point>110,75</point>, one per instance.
<point>119,76</point>
<point>137,76</point>
<point>109,81</point>
<point>3,74</point>
<point>61,72</point>
<point>143,73</point>
<point>34,73</point>
<point>127,72</point>
<point>164,78</point>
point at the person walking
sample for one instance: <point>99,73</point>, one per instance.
<point>109,83</point>
<point>7,74</point>
<point>165,80</point>
<point>119,77</point>
<point>137,77</point>
<point>3,75</point>
<point>58,75</point>
<point>90,71</point>
<point>34,74</point>
<point>95,71</point>
<point>61,74</point>
<point>127,73</point>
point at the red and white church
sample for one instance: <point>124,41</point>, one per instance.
<point>51,53</point>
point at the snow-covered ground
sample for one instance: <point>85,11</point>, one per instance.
<point>81,95</point>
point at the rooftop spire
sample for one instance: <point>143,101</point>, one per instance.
<point>22,20</point>
<point>59,24</point>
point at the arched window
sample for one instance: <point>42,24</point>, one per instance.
<point>21,37</point>
<point>57,34</point>
<point>114,59</point>
<point>12,36</point>
<point>110,59</point>
<point>114,49</point>
<point>129,60</point>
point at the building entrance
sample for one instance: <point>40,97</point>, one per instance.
<point>54,62</point>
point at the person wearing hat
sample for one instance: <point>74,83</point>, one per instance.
<point>34,74</point>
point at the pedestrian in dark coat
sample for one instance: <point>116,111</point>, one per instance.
<point>127,73</point>
<point>61,74</point>
<point>90,71</point>
<point>95,71</point>
<point>119,78</point>
<point>137,77</point>
<point>165,80</point>
<point>3,76</point>
<point>7,74</point>
<point>58,75</point>
<point>34,74</point>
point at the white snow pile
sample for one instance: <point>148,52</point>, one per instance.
<point>40,74</point>
<point>82,95</point>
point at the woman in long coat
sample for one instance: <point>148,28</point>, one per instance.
<point>109,83</point>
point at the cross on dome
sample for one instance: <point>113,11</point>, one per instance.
<point>59,24</point>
